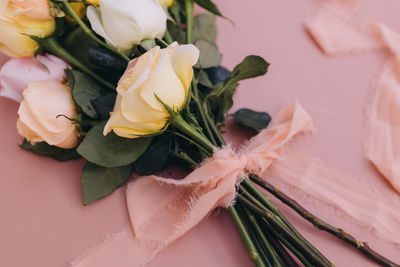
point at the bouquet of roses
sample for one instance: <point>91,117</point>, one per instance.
<point>137,86</point>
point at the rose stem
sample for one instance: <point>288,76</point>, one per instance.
<point>276,261</point>
<point>69,11</point>
<point>304,242</point>
<point>178,122</point>
<point>274,220</point>
<point>286,257</point>
<point>269,229</point>
<point>322,225</point>
<point>201,112</point>
<point>246,237</point>
<point>254,237</point>
<point>189,8</point>
<point>168,37</point>
<point>51,45</point>
<point>271,206</point>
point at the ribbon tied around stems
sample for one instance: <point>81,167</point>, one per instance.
<point>162,210</point>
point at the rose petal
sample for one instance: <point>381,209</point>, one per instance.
<point>184,57</point>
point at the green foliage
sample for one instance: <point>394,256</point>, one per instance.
<point>252,119</point>
<point>156,156</point>
<point>252,66</point>
<point>209,54</point>
<point>98,182</point>
<point>78,43</point>
<point>176,32</point>
<point>204,27</point>
<point>209,5</point>
<point>45,149</point>
<point>84,91</point>
<point>104,105</point>
<point>219,100</point>
<point>103,58</point>
<point>111,150</point>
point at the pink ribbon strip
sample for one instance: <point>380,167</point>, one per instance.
<point>335,35</point>
<point>307,178</point>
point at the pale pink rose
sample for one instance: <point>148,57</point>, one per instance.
<point>17,73</point>
<point>38,114</point>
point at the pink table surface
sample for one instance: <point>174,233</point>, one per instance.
<point>42,221</point>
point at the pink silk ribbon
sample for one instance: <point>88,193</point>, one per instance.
<point>335,35</point>
<point>162,210</point>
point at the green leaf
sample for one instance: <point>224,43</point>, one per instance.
<point>252,119</point>
<point>204,79</point>
<point>209,54</point>
<point>84,91</point>
<point>155,158</point>
<point>250,67</point>
<point>45,149</point>
<point>204,27</point>
<point>77,42</point>
<point>177,33</point>
<point>210,6</point>
<point>104,105</point>
<point>103,58</point>
<point>175,12</point>
<point>219,105</point>
<point>99,182</point>
<point>111,150</point>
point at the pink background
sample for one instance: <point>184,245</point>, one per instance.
<point>42,221</point>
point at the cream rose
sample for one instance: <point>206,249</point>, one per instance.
<point>124,23</point>
<point>38,121</point>
<point>19,17</point>
<point>166,73</point>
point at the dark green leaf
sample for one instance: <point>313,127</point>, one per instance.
<point>220,104</point>
<point>103,58</point>
<point>174,11</point>
<point>77,42</point>
<point>155,158</point>
<point>111,150</point>
<point>104,105</point>
<point>209,54</point>
<point>204,79</point>
<point>177,33</point>
<point>218,74</point>
<point>98,182</point>
<point>250,67</point>
<point>252,119</point>
<point>45,149</point>
<point>204,27</point>
<point>84,91</point>
<point>210,6</point>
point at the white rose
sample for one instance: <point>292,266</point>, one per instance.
<point>124,23</point>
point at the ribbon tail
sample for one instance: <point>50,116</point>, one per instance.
<point>309,178</point>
